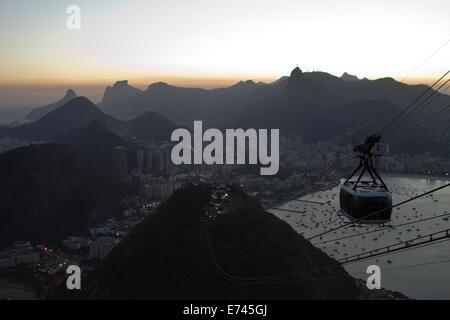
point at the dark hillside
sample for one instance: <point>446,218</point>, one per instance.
<point>50,191</point>
<point>167,256</point>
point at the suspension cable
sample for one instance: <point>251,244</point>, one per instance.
<point>412,103</point>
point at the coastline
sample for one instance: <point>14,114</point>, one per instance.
<point>297,194</point>
<point>416,176</point>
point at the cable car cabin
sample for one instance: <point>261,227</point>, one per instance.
<point>361,203</point>
<point>366,201</point>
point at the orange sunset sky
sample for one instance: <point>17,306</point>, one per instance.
<point>209,43</point>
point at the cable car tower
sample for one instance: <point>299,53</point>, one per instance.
<point>360,199</point>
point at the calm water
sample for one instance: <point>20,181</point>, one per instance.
<point>403,271</point>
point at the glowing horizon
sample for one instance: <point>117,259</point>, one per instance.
<point>204,81</point>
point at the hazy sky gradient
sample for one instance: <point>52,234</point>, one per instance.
<point>213,43</point>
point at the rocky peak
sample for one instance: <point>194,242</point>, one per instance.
<point>121,83</point>
<point>349,77</point>
<point>70,94</point>
<point>297,72</point>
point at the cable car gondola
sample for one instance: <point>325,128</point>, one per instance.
<point>359,200</point>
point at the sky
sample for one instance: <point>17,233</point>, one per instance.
<point>210,43</point>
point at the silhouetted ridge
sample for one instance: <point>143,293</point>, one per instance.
<point>159,85</point>
<point>349,77</point>
<point>152,125</point>
<point>304,103</point>
<point>245,83</point>
<point>301,87</point>
<point>119,93</point>
<point>41,111</point>
<point>76,113</point>
<point>296,73</point>
<point>121,83</point>
<point>180,103</point>
<point>70,94</point>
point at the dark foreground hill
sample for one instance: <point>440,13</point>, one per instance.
<point>96,143</point>
<point>168,256</point>
<point>50,191</point>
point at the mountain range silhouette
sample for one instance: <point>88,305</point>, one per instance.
<point>316,105</point>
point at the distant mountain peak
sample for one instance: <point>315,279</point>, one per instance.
<point>38,113</point>
<point>152,125</point>
<point>119,92</point>
<point>297,72</point>
<point>70,94</point>
<point>349,77</point>
<point>159,84</point>
<point>387,79</point>
<point>76,113</point>
<point>295,79</point>
<point>245,83</point>
<point>121,83</point>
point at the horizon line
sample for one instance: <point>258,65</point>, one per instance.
<point>198,82</point>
